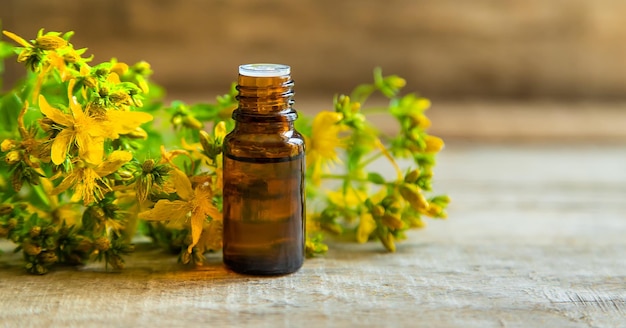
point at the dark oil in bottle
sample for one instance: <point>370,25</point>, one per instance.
<point>264,204</point>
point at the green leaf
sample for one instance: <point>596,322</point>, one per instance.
<point>10,106</point>
<point>204,112</point>
<point>376,178</point>
<point>6,50</point>
<point>362,92</point>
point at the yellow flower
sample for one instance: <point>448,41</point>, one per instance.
<point>322,146</point>
<point>87,132</point>
<point>44,52</point>
<point>351,198</point>
<point>87,180</point>
<point>433,144</point>
<point>195,204</point>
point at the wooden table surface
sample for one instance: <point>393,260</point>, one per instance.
<point>536,238</point>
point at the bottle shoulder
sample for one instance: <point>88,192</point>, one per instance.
<point>257,145</point>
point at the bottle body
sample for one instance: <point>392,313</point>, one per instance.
<point>264,201</point>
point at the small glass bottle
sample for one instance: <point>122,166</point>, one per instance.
<point>264,201</point>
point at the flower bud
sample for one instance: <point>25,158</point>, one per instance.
<point>205,141</point>
<point>413,195</point>
<point>6,208</point>
<point>116,262</point>
<point>138,133</point>
<point>71,57</point>
<point>47,257</point>
<point>124,175</point>
<point>12,157</point>
<point>185,257</point>
<point>12,223</point>
<point>395,82</point>
<point>419,120</point>
<point>49,231</point>
<point>120,97</point>
<point>378,211</point>
<point>220,130</point>
<point>50,42</point>
<point>412,176</point>
<point>103,92</point>
<point>34,232</point>
<point>83,246</point>
<point>8,144</point>
<point>142,68</point>
<point>435,210</point>
<point>388,242</point>
<point>192,122</point>
<point>177,120</point>
<point>39,269</point>
<point>147,166</point>
<point>102,244</point>
<point>46,124</point>
<point>90,82</point>
<point>433,144</point>
<point>392,221</point>
<point>414,221</point>
<point>31,248</point>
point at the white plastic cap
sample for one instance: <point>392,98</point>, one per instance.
<point>264,70</point>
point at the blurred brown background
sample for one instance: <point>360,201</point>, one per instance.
<point>494,68</point>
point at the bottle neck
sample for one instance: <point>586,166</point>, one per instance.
<point>265,100</point>
<point>255,127</point>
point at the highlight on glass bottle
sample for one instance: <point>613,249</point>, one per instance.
<point>264,201</point>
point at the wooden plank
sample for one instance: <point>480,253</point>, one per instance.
<point>535,239</point>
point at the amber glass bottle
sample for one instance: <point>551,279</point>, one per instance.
<point>264,204</point>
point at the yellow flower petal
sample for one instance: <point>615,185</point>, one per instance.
<point>123,122</point>
<point>113,78</point>
<point>197,223</point>
<point>421,104</point>
<point>69,181</point>
<point>54,114</point>
<point>17,39</point>
<point>114,162</point>
<point>166,210</point>
<point>119,68</point>
<point>325,135</point>
<point>203,207</point>
<point>181,183</point>
<point>90,148</point>
<point>81,193</point>
<point>77,110</point>
<point>60,146</point>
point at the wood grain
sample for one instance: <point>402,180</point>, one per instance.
<point>536,238</point>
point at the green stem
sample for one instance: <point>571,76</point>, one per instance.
<point>334,176</point>
<point>342,177</point>
<point>375,110</point>
<point>370,160</point>
<point>347,177</point>
<point>41,194</point>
